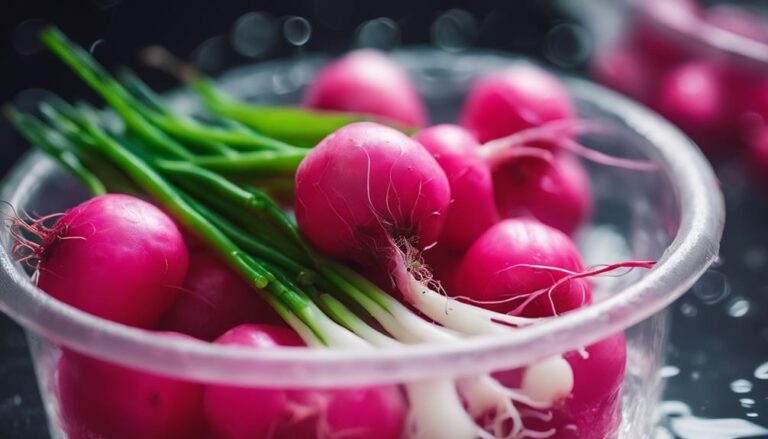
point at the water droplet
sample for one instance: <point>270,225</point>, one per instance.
<point>25,36</point>
<point>738,307</point>
<point>454,30</point>
<point>209,56</point>
<point>751,415</point>
<point>380,33</point>
<point>761,372</point>
<point>253,35</point>
<point>688,310</point>
<point>669,371</point>
<point>755,258</point>
<point>747,402</point>
<point>741,386</point>
<point>699,358</point>
<point>567,45</point>
<point>695,375</point>
<point>712,287</point>
<point>297,30</point>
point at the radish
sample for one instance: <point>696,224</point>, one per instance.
<point>101,399</point>
<point>556,192</point>
<point>469,177</point>
<point>444,263</point>
<point>519,97</point>
<point>649,34</point>
<point>623,69</point>
<point>235,412</point>
<point>592,410</point>
<point>114,256</point>
<point>510,268</point>
<point>692,97</point>
<point>213,299</point>
<point>367,81</point>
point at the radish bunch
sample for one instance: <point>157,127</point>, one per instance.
<point>467,227</point>
<point>717,101</point>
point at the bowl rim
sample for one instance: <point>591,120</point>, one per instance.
<point>712,37</point>
<point>693,249</point>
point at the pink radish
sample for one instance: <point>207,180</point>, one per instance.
<point>246,412</point>
<point>114,256</point>
<point>650,35</point>
<point>593,408</point>
<point>556,192</point>
<point>367,81</point>
<point>511,266</point>
<point>371,185</point>
<point>692,97</point>
<point>519,97</point>
<point>623,69</point>
<point>444,264</point>
<point>456,151</point>
<point>104,400</point>
<point>213,299</point>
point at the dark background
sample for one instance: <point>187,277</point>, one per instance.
<point>709,356</point>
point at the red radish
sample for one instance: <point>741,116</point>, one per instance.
<point>519,97</point>
<point>370,185</point>
<point>593,408</point>
<point>511,266</point>
<point>758,155</point>
<point>444,263</point>
<point>213,299</point>
<point>100,399</point>
<point>367,81</point>
<point>247,412</point>
<point>650,30</point>
<point>623,69</point>
<point>557,192</point>
<point>114,256</point>
<point>692,97</point>
<point>738,20</point>
<point>456,151</point>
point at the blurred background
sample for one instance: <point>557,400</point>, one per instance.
<point>703,65</point>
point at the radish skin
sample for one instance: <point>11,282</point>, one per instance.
<point>114,256</point>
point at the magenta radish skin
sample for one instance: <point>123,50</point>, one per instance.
<point>117,257</point>
<point>650,36</point>
<point>370,185</point>
<point>444,263</point>
<point>511,100</point>
<point>213,299</point>
<point>472,210</point>
<point>491,270</point>
<point>557,193</point>
<point>247,412</point>
<point>623,69</point>
<point>100,399</point>
<point>593,409</point>
<point>368,82</point>
<point>692,97</point>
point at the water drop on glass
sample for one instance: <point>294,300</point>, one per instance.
<point>747,402</point>
<point>567,45</point>
<point>761,372</point>
<point>738,308</point>
<point>751,415</point>
<point>741,386</point>
<point>695,375</point>
<point>712,287</point>
<point>454,30</point>
<point>253,35</point>
<point>297,30</point>
<point>25,37</point>
<point>688,310</point>
<point>380,33</point>
<point>669,371</point>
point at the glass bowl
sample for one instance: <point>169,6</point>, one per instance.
<point>673,215</point>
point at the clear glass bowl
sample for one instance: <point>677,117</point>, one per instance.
<point>674,215</point>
